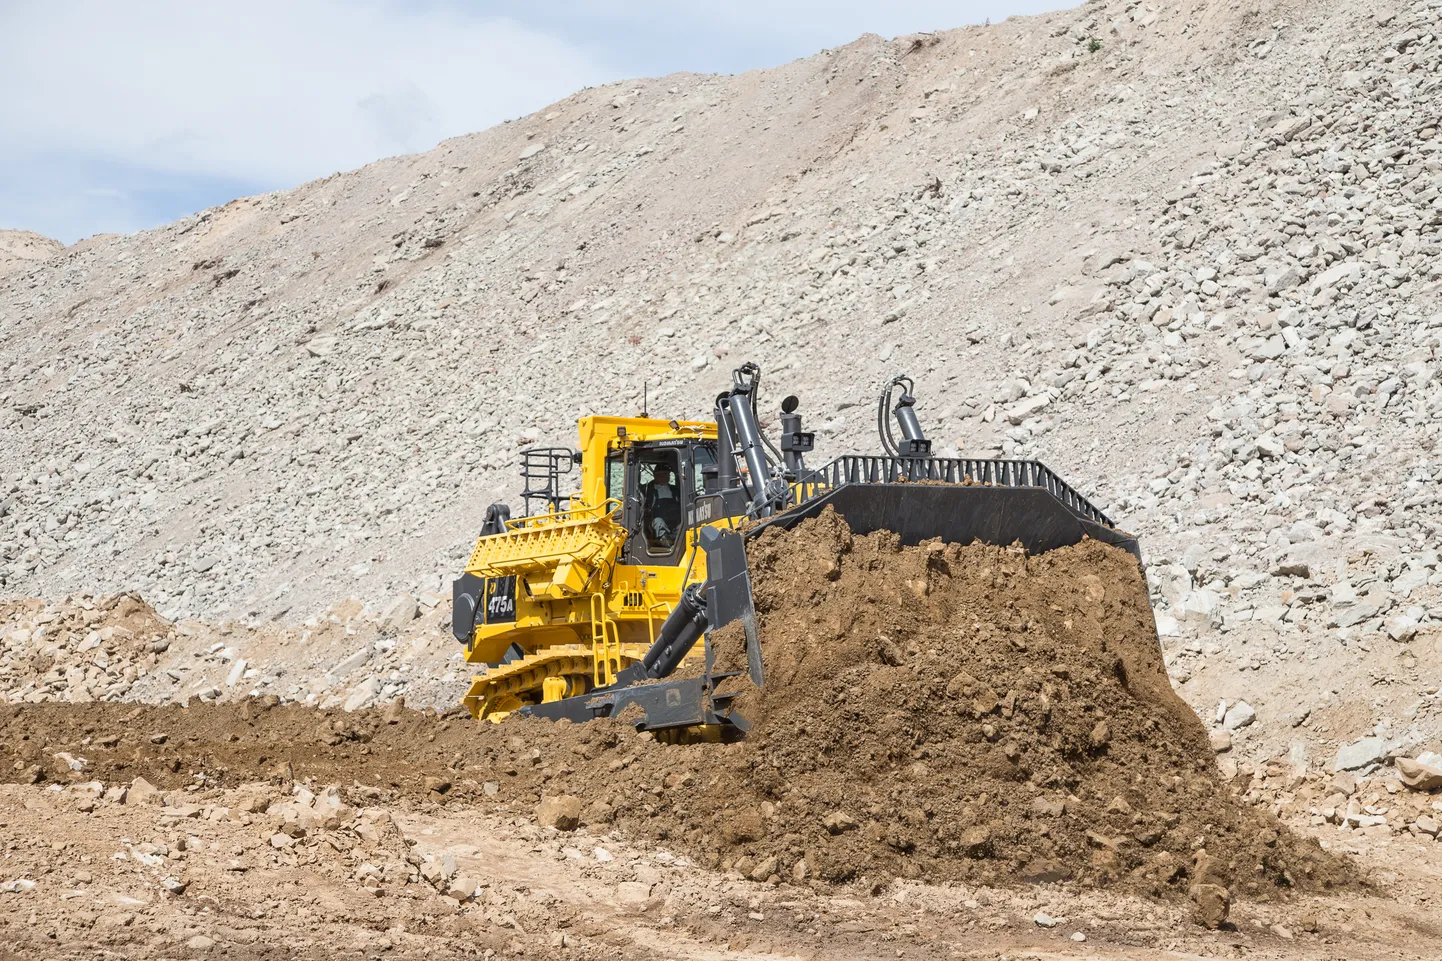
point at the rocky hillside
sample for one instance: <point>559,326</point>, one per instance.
<point>1187,254</point>
<point>23,249</point>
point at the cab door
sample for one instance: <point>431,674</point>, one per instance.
<point>656,505</point>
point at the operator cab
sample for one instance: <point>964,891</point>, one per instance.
<point>660,485</point>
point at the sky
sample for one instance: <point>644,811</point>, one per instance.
<point>120,115</point>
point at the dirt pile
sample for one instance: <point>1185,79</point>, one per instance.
<point>84,648</point>
<point>78,653</point>
<point>937,712</point>
<point>972,713</point>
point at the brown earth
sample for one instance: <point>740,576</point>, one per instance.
<point>934,712</point>
<point>270,873</point>
<point>971,713</point>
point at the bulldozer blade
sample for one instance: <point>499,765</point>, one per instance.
<point>684,702</point>
<point>959,514</point>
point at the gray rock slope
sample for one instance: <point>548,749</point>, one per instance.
<point>1187,254</point>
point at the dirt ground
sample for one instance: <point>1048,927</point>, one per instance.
<point>201,873</point>
<point>959,752</point>
<point>877,751</point>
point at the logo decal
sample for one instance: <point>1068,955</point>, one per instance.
<point>501,600</point>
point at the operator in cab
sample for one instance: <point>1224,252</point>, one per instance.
<point>661,509</point>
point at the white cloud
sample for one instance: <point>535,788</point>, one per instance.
<point>122,114</point>
<point>269,90</point>
<point>739,35</point>
<point>815,16</point>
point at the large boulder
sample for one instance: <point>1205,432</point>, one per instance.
<point>562,812</point>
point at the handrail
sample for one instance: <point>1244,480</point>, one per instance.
<point>651,608</point>
<point>572,515</point>
<point>885,469</point>
<point>541,472</point>
<point>613,651</point>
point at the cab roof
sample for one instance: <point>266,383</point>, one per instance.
<point>604,429</point>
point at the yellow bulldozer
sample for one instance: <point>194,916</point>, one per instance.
<point>586,606</point>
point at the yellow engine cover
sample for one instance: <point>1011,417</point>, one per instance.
<point>557,554</point>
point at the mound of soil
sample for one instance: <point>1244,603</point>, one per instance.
<point>936,712</point>
<point>972,713</point>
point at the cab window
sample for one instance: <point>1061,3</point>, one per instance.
<point>615,475</point>
<point>658,480</point>
<point>703,461</point>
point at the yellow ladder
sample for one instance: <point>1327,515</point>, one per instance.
<point>605,644</point>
